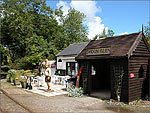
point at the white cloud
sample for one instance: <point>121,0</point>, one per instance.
<point>95,27</point>
<point>87,7</point>
<point>90,9</point>
<point>65,7</point>
<point>124,33</point>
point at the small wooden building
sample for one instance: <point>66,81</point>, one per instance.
<point>117,62</point>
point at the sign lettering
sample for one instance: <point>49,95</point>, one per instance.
<point>99,51</point>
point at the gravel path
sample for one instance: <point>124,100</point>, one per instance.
<point>40,104</point>
<point>8,106</point>
<point>26,101</point>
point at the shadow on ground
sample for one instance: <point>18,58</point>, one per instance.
<point>119,109</point>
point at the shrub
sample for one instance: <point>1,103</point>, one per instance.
<point>19,73</point>
<point>36,72</point>
<point>11,74</point>
<point>75,92</point>
<point>5,68</point>
<point>28,72</point>
<point>23,80</point>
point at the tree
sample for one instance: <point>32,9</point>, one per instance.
<point>105,34</point>
<point>74,29</point>
<point>110,33</point>
<point>30,31</point>
<point>147,32</point>
<point>5,55</point>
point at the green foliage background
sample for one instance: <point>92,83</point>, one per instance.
<point>147,32</point>
<point>30,31</point>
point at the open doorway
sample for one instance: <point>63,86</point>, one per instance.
<point>100,79</point>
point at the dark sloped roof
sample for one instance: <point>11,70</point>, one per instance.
<point>73,49</point>
<point>122,45</point>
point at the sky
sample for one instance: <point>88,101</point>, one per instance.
<point>123,17</point>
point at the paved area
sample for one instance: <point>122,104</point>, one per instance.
<point>58,90</point>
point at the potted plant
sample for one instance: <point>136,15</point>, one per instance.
<point>27,73</point>
<point>11,75</point>
<point>23,82</point>
<point>8,77</point>
<point>19,73</point>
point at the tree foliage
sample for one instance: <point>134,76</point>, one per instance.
<point>30,31</point>
<point>110,33</point>
<point>105,34</point>
<point>73,27</point>
<point>147,32</point>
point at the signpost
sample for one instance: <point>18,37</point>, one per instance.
<point>99,51</point>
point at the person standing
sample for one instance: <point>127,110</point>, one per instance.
<point>47,74</point>
<point>46,62</point>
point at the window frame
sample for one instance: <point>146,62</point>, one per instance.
<point>71,66</point>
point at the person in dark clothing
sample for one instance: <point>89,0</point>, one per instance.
<point>74,79</point>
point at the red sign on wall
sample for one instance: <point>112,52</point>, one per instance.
<point>132,75</point>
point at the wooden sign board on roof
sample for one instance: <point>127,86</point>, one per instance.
<point>99,51</point>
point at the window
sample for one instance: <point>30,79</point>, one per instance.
<point>72,68</point>
<point>93,70</point>
<point>141,72</point>
<point>59,60</point>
